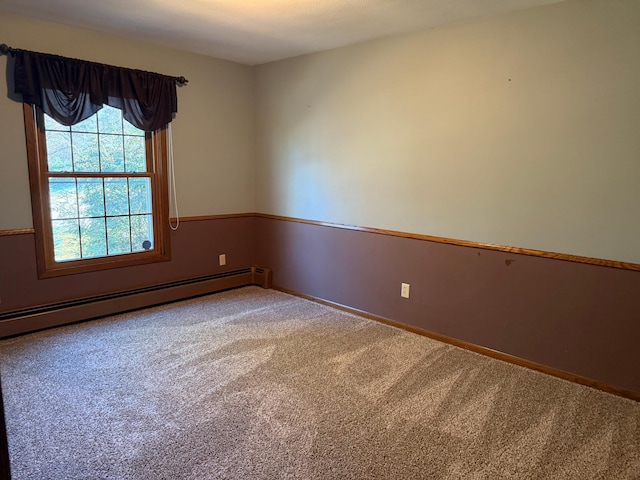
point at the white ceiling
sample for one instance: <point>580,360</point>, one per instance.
<point>259,31</point>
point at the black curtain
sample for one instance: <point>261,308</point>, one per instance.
<point>71,90</point>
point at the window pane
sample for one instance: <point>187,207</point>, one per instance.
<point>88,125</point>
<point>62,198</point>
<point>118,235</point>
<point>111,153</point>
<point>90,197</point>
<point>94,237</point>
<point>85,152</point>
<point>51,124</point>
<point>110,120</point>
<point>139,195</point>
<point>66,240</point>
<point>141,232</point>
<point>135,154</point>
<point>59,152</point>
<point>116,196</point>
<point>95,181</point>
<point>131,130</point>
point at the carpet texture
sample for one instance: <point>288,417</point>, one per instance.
<point>257,384</point>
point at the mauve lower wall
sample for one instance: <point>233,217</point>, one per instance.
<point>575,317</point>
<point>195,247</point>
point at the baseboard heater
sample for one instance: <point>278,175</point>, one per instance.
<point>52,315</point>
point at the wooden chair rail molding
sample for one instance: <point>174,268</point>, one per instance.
<point>17,231</point>
<point>465,243</point>
<point>429,238</point>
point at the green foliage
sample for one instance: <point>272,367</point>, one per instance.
<point>118,235</point>
<point>88,125</point>
<point>94,235</point>
<point>59,152</point>
<point>90,197</point>
<point>63,198</point>
<point>116,194</point>
<point>141,230</point>
<point>85,148</point>
<point>98,216</point>
<point>110,120</point>
<point>139,195</point>
<point>66,240</point>
<point>135,154</point>
<point>111,153</point>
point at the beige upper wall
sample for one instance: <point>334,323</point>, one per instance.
<point>212,132</point>
<point>521,130</point>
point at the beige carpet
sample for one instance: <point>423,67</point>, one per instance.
<point>257,384</point>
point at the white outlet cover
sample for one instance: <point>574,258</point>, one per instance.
<point>404,290</point>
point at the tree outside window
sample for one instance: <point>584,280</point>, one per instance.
<point>98,191</point>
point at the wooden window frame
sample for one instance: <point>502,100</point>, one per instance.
<point>156,152</point>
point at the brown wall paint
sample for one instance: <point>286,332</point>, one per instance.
<point>195,247</point>
<point>580,318</point>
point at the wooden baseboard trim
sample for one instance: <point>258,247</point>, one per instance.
<point>488,352</point>
<point>28,320</point>
<point>464,243</point>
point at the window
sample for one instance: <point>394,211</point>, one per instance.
<point>99,192</point>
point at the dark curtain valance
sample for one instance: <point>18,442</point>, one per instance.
<point>71,90</point>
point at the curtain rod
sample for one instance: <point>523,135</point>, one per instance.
<point>6,50</point>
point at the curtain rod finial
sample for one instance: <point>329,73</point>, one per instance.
<point>4,49</point>
<point>182,80</point>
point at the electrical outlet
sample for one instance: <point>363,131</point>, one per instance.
<point>222,259</point>
<point>404,290</point>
